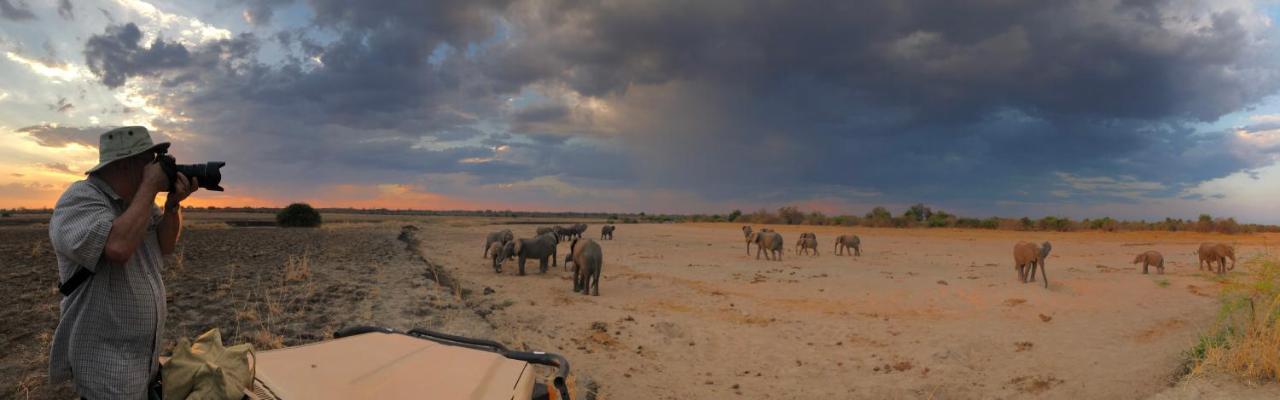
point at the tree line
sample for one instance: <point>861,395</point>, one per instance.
<point>921,216</point>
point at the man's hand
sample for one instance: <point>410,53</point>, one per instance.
<point>183,187</point>
<point>153,177</point>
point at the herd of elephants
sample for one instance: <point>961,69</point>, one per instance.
<point>587,257</point>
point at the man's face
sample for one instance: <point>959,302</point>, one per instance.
<point>132,167</point>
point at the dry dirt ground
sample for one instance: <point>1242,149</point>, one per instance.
<point>684,312</point>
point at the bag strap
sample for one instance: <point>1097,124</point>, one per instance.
<point>74,281</point>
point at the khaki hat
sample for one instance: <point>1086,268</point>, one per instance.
<point>121,143</point>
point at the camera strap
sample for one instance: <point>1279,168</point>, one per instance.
<point>74,281</point>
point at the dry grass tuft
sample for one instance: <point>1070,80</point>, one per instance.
<point>298,268</point>
<point>1247,341</point>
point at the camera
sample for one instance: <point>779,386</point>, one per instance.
<point>206,173</point>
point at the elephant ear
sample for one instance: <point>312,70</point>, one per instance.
<point>515,250</point>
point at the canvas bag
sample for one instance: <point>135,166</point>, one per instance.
<point>205,370</point>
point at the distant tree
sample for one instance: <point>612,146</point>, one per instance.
<point>791,215</point>
<point>299,215</point>
<point>918,213</point>
<point>879,216</point>
<point>1205,223</point>
<point>1104,224</point>
<point>940,219</point>
<point>733,216</point>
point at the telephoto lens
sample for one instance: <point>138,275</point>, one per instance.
<point>206,173</point>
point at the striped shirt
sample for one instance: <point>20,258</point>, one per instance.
<point>107,340</point>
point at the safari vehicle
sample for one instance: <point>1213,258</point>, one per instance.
<point>382,363</point>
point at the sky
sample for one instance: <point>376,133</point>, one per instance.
<point>1136,109</point>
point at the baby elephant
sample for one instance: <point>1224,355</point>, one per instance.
<point>1150,258</point>
<point>807,241</point>
<point>849,243</point>
<point>587,261</point>
<point>498,252</point>
<point>500,237</point>
<point>606,232</point>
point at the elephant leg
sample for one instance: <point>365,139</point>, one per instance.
<point>575,279</point>
<point>1031,272</point>
<point>857,250</point>
<point>1160,267</point>
<point>1144,267</point>
<point>1022,272</point>
<point>595,282</point>
<point>522,265</point>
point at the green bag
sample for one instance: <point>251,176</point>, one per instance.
<point>205,370</point>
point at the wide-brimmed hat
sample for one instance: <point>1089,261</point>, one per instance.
<point>121,143</point>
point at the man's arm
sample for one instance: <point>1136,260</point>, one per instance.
<point>171,224</point>
<point>128,229</point>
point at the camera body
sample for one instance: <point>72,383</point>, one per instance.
<point>206,173</point>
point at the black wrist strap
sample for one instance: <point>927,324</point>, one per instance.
<point>77,278</point>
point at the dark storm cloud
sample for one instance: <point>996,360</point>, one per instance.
<point>928,100</point>
<point>16,10</point>
<point>117,55</point>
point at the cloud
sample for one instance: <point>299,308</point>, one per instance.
<point>50,135</point>
<point>66,10</point>
<point>16,10</point>
<point>59,167</point>
<point>117,55</point>
<point>62,105</point>
<point>259,12</point>
<point>725,101</point>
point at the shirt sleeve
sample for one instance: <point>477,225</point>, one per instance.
<point>80,225</point>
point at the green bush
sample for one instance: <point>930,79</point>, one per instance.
<point>298,215</point>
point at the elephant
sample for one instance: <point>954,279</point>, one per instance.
<point>544,230</point>
<point>502,237</point>
<point>577,230</point>
<point>561,232</point>
<point>541,247</point>
<point>606,232</point>
<point>587,262</point>
<point>1150,258</point>
<point>499,252</point>
<point>1026,256</point>
<point>846,242</point>
<point>807,241</point>
<point>1227,251</point>
<point>1210,252</point>
<point>768,241</point>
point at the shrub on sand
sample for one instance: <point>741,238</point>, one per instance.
<point>298,215</point>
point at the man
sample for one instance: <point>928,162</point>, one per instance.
<point>109,236</point>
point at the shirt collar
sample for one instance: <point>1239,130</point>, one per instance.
<point>102,185</point>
